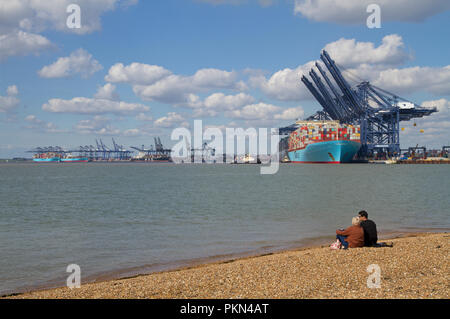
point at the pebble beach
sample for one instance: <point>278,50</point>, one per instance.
<point>417,266</point>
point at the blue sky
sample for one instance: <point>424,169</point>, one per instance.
<point>138,69</point>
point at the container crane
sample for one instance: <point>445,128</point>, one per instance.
<point>377,111</point>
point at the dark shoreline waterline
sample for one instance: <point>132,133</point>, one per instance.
<point>144,270</point>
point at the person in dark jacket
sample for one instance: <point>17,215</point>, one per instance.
<point>370,229</point>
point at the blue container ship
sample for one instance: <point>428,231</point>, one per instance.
<point>74,159</point>
<point>57,158</point>
<point>323,142</point>
<point>47,158</point>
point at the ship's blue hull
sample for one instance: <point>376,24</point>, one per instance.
<point>61,160</point>
<point>341,151</point>
<point>75,160</point>
<point>47,160</point>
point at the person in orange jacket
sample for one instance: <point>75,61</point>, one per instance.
<point>353,236</point>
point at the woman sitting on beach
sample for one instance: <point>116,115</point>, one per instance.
<point>353,236</point>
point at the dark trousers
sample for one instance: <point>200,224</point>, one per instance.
<point>342,238</point>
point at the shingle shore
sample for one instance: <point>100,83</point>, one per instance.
<point>416,267</point>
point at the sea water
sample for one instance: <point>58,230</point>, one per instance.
<point>127,218</point>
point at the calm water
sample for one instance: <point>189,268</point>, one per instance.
<point>138,217</point>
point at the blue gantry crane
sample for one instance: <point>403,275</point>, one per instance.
<point>98,153</point>
<point>154,153</point>
<point>120,152</point>
<point>377,111</point>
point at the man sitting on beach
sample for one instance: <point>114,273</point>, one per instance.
<point>353,236</point>
<point>370,229</point>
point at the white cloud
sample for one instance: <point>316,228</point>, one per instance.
<point>264,111</point>
<point>292,113</point>
<point>107,92</point>
<point>106,100</point>
<point>144,117</point>
<point>39,15</point>
<point>361,61</point>
<point>42,126</point>
<point>132,132</point>
<point>10,101</point>
<point>254,111</point>
<point>171,120</point>
<point>435,127</point>
<point>98,125</point>
<point>178,89</point>
<point>102,125</point>
<point>350,53</point>
<point>136,73</point>
<point>172,89</point>
<point>22,43</point>
<point>442,105</point>
<point>79,62</point>
<point>83,105</point>
<point>435,80</point>
<point>354,12</point>
<point>284,85</point>
<point>155,83</point>
<point>12,90</point>
<point>218,102</point>
<point>22,20</point>
<point>215,79</point>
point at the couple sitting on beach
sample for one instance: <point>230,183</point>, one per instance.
<point>363,232</point>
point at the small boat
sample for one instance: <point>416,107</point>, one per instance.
<point>247,159</point>
<point>285,160</point>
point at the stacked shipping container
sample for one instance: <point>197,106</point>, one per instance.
<point>47,155</point>
<point>311,132</point>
